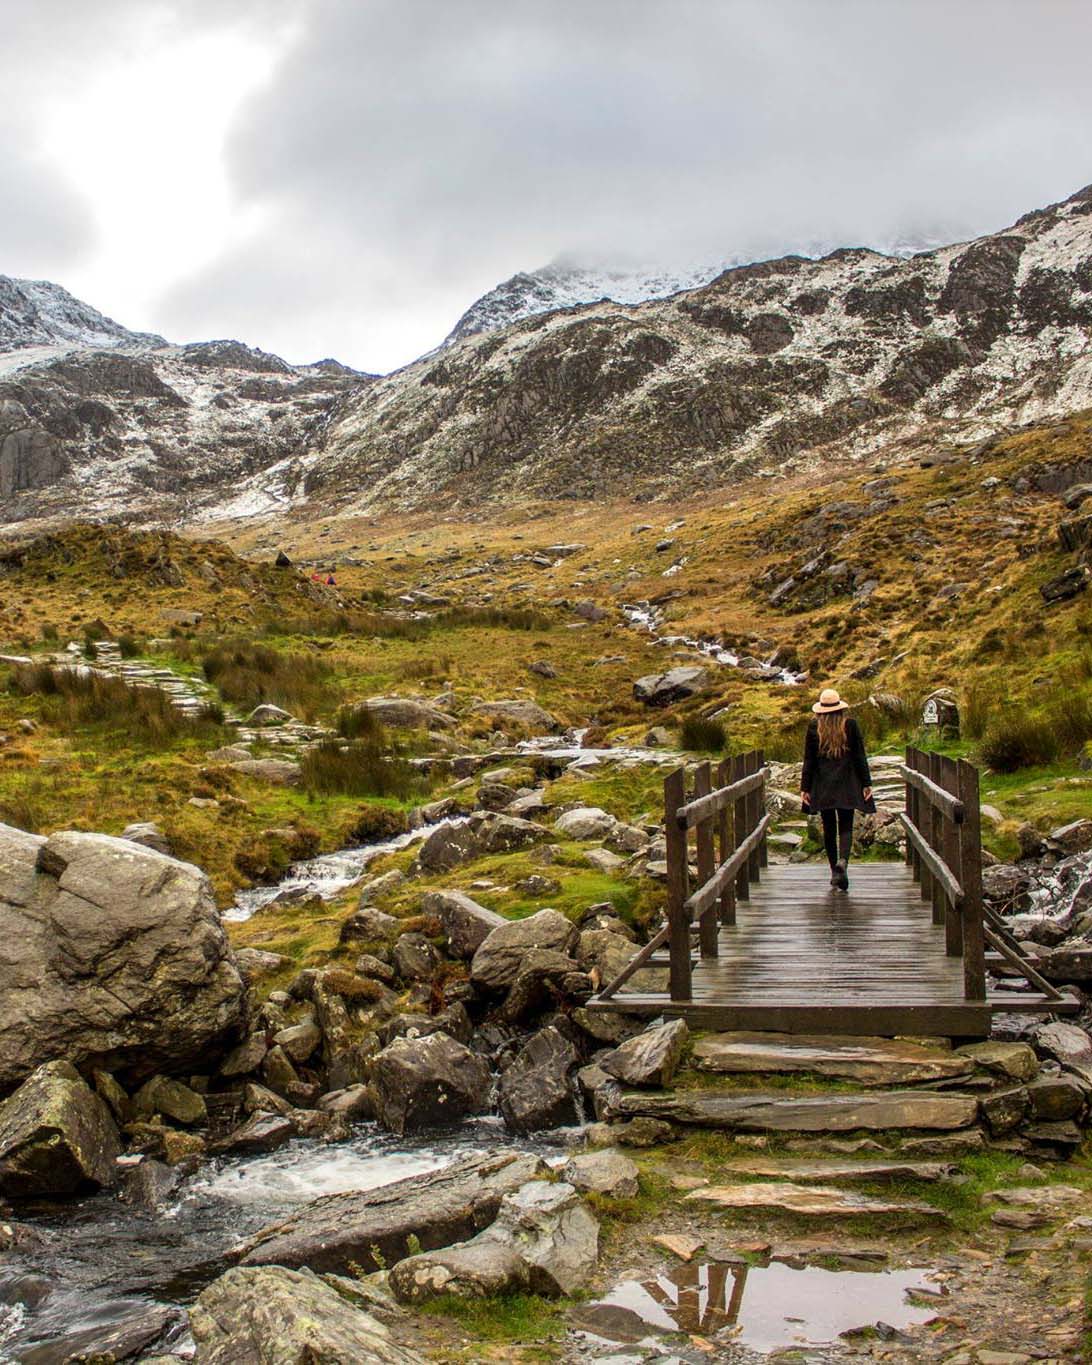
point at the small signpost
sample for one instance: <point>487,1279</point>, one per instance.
<point>940,714</point>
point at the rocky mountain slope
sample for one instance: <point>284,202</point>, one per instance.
<point>771,367</point>
<point>776,365</point>
<point>135,427</point>
<point>35,313</point>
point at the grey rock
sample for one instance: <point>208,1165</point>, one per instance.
<point>414,957</point>
<point>603,1172</point>
<point>299,1041</point>
<point>279,772</point>
<point>57,1137</point>
<point>497,961</point>
<point>368,925</point>
<point>354,1102</point>
<point>116,956</point>
<point>148,835</point>
<point>1055,1098</point>
<point>255,963</point>
<point>172,1099</point>
<point>495,833</point>
<point>266,714</point>
<point>536,1091</point>
<point>406,713</point>
<point>519,715</point>
<point>269,1315</point>
<point>466,923</point>
<point>438,1208</point>
<point>424,1082</point>
<point>544,1240</point>
<point>1067,1044</point>
<point>261,1132</point>
<point>447,846</point>
<point>661,689</point>
<point>651,1057</point>
<point>586,822</point>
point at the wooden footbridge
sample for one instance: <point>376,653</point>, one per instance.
<point>909,949</point>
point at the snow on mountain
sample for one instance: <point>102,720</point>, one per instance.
<point>36,313</point>
<point>568,282</point>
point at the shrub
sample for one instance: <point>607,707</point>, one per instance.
<point>250,674</point>
<point>1020,740</point>
<point>358,722</point>
<point>360,768</point>
<point>372,823</point>
<point>702,735</point>
<point>75,696</point>
<point>980,702</point>
<point>426,666</point>
<point>129,646</point>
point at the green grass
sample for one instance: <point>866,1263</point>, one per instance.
<point>515,1318</point>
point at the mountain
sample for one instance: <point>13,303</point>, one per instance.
<point>770,367</point>
<point>38,313</point>
<point>98,420</point>
<point>567,283</point>
<point>773,366</point>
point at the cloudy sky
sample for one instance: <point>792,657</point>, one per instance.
<point>344,177</point>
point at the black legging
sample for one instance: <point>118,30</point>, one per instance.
<point>837,834</point>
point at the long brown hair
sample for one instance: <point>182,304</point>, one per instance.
<point>833,740</point>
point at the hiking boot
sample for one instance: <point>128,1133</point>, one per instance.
<point>841,877</point>
<point>834,878</point>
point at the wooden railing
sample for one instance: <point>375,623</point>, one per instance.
<point>729,824</point>
<point>944,851</point>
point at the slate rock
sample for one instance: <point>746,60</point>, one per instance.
<point>446,846</point>
<point>1055,1097</point>
<point>651,1057</point>
<point>261,1132</point>
<point>270,1315</point>
<point>586,822</point>
<point>414,957</point>
<point>1005,1110</point>
<point>661,689</point>
<point>172,1099</point>
<point>1017,1061</point>
<point>438,1208</point>
<point>869,1061</point>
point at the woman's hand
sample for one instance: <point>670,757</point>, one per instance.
<point>805,797</point>
<point>867,793</point>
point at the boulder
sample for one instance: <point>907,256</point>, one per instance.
<point>606,1171</point>
<point>1055,1098</point>
<point>172,1099</point>
<point>56,1136</point>
<point>406,713</point>
<point>1007,887</point>
<point>261,1132</point>
<point>370,1228</point>
<point>466,923</point>
<point>603,860</point>
<point>354,1102</point>
<point>299,1040</point>
<point>116,957</point>
<point>446,846</point>
<point>268,1315</point>
<point>586,822</point>
<point>1076,837</point>
<point>254,963</point>
<point>1016,1061</point>
<point>546,978</point>
<point>494,833</point>
<point>368,925</point>
<point>497,961</point>
<point>782,1196</point>
<point>414,957</point>
<point>519,714</point>
<point>537,1091</point>
<point>423,1082</point>
<point>148,835</point>
<point>1066,1044</point>
<point>651,1057</point>
<point>661,689</point>
<point>1065,585</point>
<point>280,772</point>
<point>267,714</point>
<point>544,1240</point>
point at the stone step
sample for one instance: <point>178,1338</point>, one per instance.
<point>869,1061</point>
<point>755,1111</point>
<point>834,1170</point>
<point>783,1196</point>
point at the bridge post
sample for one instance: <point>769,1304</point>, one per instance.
<point>727,844</point>
<point>760,810</point>
<point>753,806</point>
<point>677,886</point>
<point>911,815</point>
<point>953,920</point>
<point>970,879</point>
<point>708,925</point>
<point>933,832</point>
<point>739,817</point>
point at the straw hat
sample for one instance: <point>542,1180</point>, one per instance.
<point>829,701</point>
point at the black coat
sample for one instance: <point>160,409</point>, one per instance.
<point>836,783</point>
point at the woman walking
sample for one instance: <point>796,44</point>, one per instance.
<point>836,781</point>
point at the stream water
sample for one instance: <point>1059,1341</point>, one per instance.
<point>643,616</point>
<point>99,1262</point>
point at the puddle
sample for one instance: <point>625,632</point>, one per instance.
<point>765,1308</point>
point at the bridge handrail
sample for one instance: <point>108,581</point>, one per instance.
<point>942,820</point>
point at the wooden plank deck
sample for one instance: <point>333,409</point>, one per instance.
<point>803,958</point>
